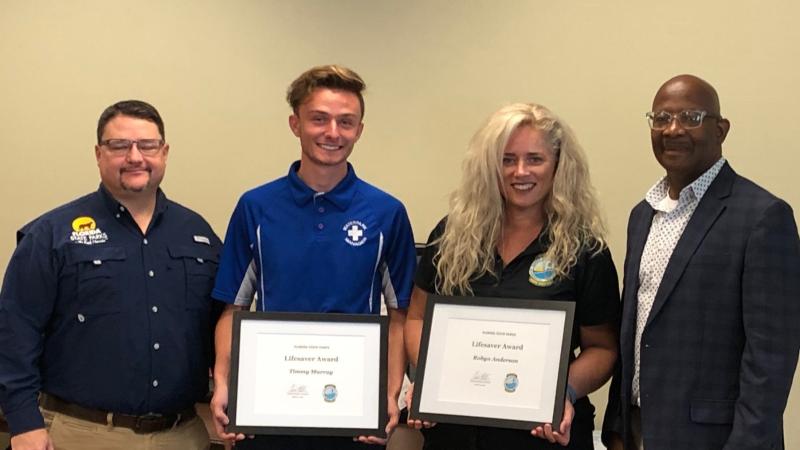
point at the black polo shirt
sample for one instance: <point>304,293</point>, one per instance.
<point>98,313</point>
<point>592,284</point>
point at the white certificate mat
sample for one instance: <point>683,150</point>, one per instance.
<point>496,362</point>
<point>308,374</point>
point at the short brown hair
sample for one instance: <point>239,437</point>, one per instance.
<point>331,76</point>
<point>130,108</point>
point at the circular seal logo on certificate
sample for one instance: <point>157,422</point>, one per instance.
<point>511,382</point>
<point>329,393</point>
<point>541,272</point>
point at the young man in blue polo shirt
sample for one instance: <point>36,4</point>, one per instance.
<point>317,240</point>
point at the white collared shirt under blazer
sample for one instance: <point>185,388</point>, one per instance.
<point>668,224</point>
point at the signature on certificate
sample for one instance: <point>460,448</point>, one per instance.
<point>297,391</point>
<point>480,378</point>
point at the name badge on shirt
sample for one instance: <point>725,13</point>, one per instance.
<point>202,240</point>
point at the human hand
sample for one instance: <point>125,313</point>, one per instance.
<point>561,435</point>
<point>394,417</point>
<point>415,423</point>
<point>372,440</point>
<point>37,439</point>
<point>219,405</point>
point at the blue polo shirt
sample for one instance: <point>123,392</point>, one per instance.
<point>304,251</point>
<point>98,313</point>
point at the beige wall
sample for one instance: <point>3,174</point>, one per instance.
<point>435,69</point>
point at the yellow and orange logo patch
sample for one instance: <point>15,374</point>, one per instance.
<point>84,223</point>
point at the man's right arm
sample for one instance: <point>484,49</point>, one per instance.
<point>222,364</point>
<point>27,299</point>
<point>234,281</point>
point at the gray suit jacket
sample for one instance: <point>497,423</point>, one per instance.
<point>720,346</point>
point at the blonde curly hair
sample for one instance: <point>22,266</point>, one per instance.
<point>477,207</point>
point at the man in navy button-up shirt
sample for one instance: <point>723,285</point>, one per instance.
<point>105,306</point>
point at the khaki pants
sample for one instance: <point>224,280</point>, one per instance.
<point>69,433</point>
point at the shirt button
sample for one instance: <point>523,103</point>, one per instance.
<point>122,208</point>
<point>116,215</point>
<point>81,318</point>
<point>151,274</point>
<point>200,260</point>
<point>144,241</point>
<point>321,209</point>
<point>156,346</point>
<point>320,226</point>
<point>155,383</point>
<point>97,262</point>
<point>154,309</point>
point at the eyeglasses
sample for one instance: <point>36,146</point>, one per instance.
<point>147,147</point>
<point>688,119</point>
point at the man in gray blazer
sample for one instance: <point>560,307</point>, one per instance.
<point>711,299</point>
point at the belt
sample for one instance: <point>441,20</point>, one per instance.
<point>149,423</point>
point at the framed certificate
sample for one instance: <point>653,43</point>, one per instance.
<point>308,374</point>
<point>493,362</point>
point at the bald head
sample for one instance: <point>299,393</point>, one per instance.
<point>687,150</point>
<point>692,88</point>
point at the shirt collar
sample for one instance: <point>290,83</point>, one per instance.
<point>114,205</point>
<point>696,190</point>
<point>341,195</point>
<point>537,247</point>
<point>540,244</point>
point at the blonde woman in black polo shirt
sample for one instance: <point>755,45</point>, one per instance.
<point>525,223</point>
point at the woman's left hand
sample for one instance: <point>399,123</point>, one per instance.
<point>561,435</point>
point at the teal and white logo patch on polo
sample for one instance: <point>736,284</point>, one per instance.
<point>541,273</point>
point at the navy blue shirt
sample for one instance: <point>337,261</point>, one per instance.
<point>98,313</point>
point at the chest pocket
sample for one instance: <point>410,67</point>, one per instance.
<point>99,275</point>
<point>199,264</point>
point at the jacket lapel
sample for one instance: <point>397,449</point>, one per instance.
<point>707,212</point>
<point>638,229</point>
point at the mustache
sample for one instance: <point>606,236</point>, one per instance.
<point>681,143</point>
<point>134,168</point>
